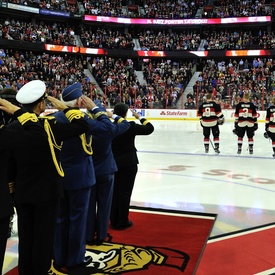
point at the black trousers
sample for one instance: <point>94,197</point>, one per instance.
<point>215,131</point>
<point>249,131</point>
<point>123,187</point>
<point>36,226</point>
<point>4,229</point>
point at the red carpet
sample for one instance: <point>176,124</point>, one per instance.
<point>246,252</point>
<point>159,242</point>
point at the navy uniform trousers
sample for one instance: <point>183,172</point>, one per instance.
<point>101,199</point>
<point>73,218</point>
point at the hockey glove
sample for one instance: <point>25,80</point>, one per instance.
<point>220,121</point>
<point>266,135</point>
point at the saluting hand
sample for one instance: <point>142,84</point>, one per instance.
<point>7,106</point>
<point>58,104</point>
<point>110,114</point>
<point>136,115</point>
<point>87,102</point>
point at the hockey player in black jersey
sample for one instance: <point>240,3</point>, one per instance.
<point>245,122</point>
<point>211,117</point>
<point>270,124</point>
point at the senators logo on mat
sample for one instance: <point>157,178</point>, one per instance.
<point>115,258</point>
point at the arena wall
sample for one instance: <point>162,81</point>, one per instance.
<point>177,114</point>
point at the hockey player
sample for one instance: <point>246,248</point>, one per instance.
<point>270,124</point>
<point>211,117</point>
<point>245,122</point>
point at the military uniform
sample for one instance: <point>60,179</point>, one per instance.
<point>8,139</point>
<point>77,162</point>
<point>102,192</point>
<point>37,175</point>
<point>6,118</point>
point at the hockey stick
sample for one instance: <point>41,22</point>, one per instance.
<point>212,144</point>
<point>216,150</point>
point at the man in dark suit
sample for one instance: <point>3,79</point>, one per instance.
<point>125,154</point>
<point>37,174</point>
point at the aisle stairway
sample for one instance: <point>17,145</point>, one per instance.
<point>141,78</point>
<point>92,79</point>
<point>188,89</point>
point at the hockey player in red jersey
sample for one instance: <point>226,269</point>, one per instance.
<point>211,117</point>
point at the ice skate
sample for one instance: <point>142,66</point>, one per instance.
<point>217,151</point>
<point>206,148</point>
<point>239,150</point>
<point>250,150</point>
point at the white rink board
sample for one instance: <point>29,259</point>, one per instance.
<point>176,114</point>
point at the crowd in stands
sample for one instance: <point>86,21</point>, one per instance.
<point>236,40</point>
<point>106,38</point>
<point>104,8</point>
<point>60,5</point>
<point>116,78</point>
<point>17,68</point>
<point>228,82</point>
<point>236,8</point>
<point>165,80</point>
<point>149,39</point>
<point>172,9</point>
<point>37,31</point>
<point>167,40</point>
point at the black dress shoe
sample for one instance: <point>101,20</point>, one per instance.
<point>92,242</point>
<point>123,227</point>
<point>87,260</point>
<point>61,268</point>
<point>99,242</point>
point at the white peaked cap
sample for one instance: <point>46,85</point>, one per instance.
<point>31,92</point>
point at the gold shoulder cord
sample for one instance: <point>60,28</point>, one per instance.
<point>52,144</point>
<point>87,147</point>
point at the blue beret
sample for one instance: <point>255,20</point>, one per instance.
<point>72,92</point>
<point>31,92</point>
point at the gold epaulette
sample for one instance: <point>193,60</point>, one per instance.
<point>99,114</point>
<point>74,114</point>
<point>27,117</point>
<point>11,187</point>
<point>120,120</point>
